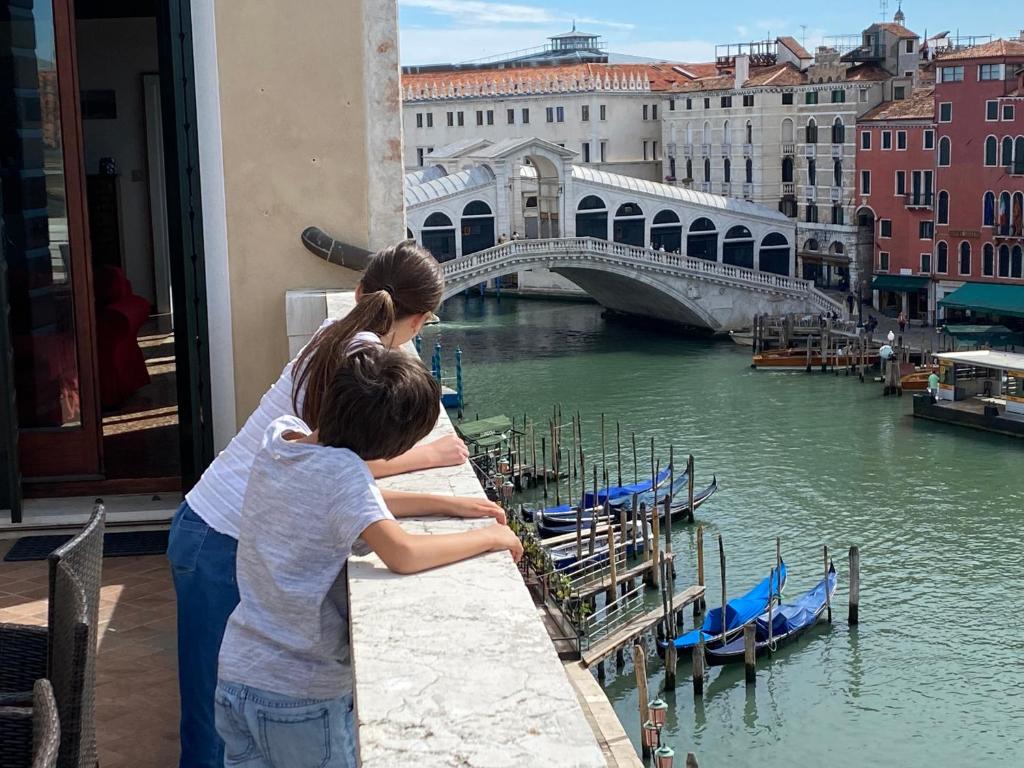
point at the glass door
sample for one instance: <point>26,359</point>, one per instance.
<point>48,275</point>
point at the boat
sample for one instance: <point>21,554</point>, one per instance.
<point>563,556</point>
<point>744,338</point>
<point>562,523</point>
<point>787,621</point>
<point>796,359</point>
<point>739,612</point>
<point>612,494</point>
<point>916,379</point>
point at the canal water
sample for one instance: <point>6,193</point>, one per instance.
<point>934,673</point>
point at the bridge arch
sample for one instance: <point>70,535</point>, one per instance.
<point>477,226</point>
<point>774,254</point>
<point>702,241</point>
<point>628,225</point>
<point>738,247</point>
<point>592,218</point>
<point>667,231</point>
<point>438,236</point>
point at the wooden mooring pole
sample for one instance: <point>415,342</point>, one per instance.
<point>544,466</point>
<point>618,453</point>
<point>670,634</point>
<point>689,484</point>
<point>828,600</point>
<point>699,603</point>
<point>640,669</point>
<point>750,653</point>
<point>853,617</point>
<point>652,572</point>
<point>698,668</point>
<point>612,564</point>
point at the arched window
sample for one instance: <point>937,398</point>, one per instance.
<point>965,258</point>
<point>689,133</point>
<point>438,236</point>
<point>408,234</point>
<point>726,133</point>
<point>706,133</point>
<point>748,133</point>
<point>787,131</point>
<point>944,153</point>
<point>1018,155</point>
<point>787,169</point>
<point>628,226</point>
<point>592,218</point>
<point>812,131</point>
<point>988,210</point>
<point>812,172</point>
<point>477,227</point>
<point>707,169</point>
<point>987,260</point>
<point>812,245</point>
<point>702,240</point>
<point>738,248</point>
<point>773,255</point>
<point>991,150</point>
<point>727,170</point>
<point>1003,214</point>
<point>838,132</point>
<point>837,173</point>
<point>666,231</point>
<point>1017,215</point>
<point>837,248</point>
<point>942,214</point>
<point>749,171</point>
<point>1015,262</point>
<point>942,258</point>
<point>1004,261</point>
<point>689,169</point>
<point>437,219</point>
<point>1007,154</point>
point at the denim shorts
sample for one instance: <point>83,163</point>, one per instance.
<point>262,729</point>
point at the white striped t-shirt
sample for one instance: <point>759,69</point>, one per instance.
<point>217,497</point>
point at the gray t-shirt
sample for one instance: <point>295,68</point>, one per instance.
<point>305,507</point>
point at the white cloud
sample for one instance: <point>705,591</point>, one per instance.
<point>742,31</point>
<point>420,45</point>
<point>476,12</point>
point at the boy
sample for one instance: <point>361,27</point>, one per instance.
<point>284,693</point>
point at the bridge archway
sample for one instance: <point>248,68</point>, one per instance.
<point>549,194</point>
<point>667,231</point>
<point>774,255</point>
<point>477,227</point>
<point>702,241</point>
<point>629,225</point>
<point>738,247</point>
<point>592,218</point>
<point>438,236</point>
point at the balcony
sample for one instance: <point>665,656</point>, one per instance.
<point>788,189</point>
<point>726,149</point>
<point>725,188</point>
<point>748,150</point>
<point>704,186</point>
<point>671,147</point>
<point>836,194</point>
<point>705,150</point>
<point>788,148</point>
<point>810,150</point>
<point>837,151</point>
<point>687,150</point>
<point>811,192</point>
<point>748,191</point>
<point>923,200</point>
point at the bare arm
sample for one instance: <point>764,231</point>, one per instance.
<point>406,504</point>
<point>447,451</point>
<point>411,553</point>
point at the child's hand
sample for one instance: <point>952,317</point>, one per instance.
<point>504,538</point>
<point>447,451</point>
<point>462,506</point>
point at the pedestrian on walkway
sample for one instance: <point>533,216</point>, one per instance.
<point>902,321</point>
<point>849,303</point>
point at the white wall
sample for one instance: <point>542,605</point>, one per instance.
<point>123,138</point>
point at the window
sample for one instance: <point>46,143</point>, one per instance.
<point>645,107</point>
<point>604,150</point>
<point>990,72</point>
<point>812,132</point>
<point>951,74</point>
<point>787,170</point>
<point>645,149</point>
<point>991,150</point>
<point>865,182</point>
<point>526,116</point>
<point>991,110</point>
<point>837,173</point>
<point>901,182</point>
<point>1008,112</point>
<point>885,227</point>
<point>430,119</point>
<point>942,258</point>
<point>863,95</point>
<point>654,111</point>
<point>838,132</point>
<point>748,100</point>
<point>811,97</point>
<point>811,213</point>
<point>942,214</point>
<point>585,113</point>
<point>726,102</point>
<point>901,139</point>
<point>944,151</point>
<point>965,258</point>
<point>549,114</point>
<point>883,261</point>
<point>707,102</point>
<point>1007,154</point>
<point>671,105</point>
<point>462,119</point>
<point>748,134</point>
<point>909,46</point>
<point>419,119</point>
<point>988,210</point>
<point>926,263</point>
<point>490,117</point>
<point>707,169</point>
<point>925,230</point>
<point>929,139</point>
<point>451,119</point>
<point>419,156</point>
<point>812,173</point>
<point>787,97</point>
<point>689,104</point>
<point>560,114</point>
<point>899,93</point>
<point>987,260</point>
<point>510,116</point>
<point>886,139</point>
<point>1016,265</point>
<point>946,112</point>
<point>602,112</point>
<point>865,139</point>
<point>1004,261</point>
<point>727,170</point>
<point>654,150</point>
<point>748,175</point>
<point>689,169</point>
<point>479,117</point>
<point>586,151</point>
<point>837,214</point>
<point>838,96</point>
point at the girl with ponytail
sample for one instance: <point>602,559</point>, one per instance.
<point>398,292</point>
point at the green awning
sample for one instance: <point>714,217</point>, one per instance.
<point>989,298</point>
<point>904,283</point>
<point>993,335</point>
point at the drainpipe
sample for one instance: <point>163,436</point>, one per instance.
<point>319,243</point>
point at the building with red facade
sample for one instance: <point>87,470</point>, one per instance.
<point>941,186</point>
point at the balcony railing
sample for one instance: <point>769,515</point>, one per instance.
<point>705,149</point>
<point>837,151</point>
<point>748,150</point>
<point>788,189</point>
<point>810,150</point>
<point>726,149</point>
<point>810,191</point>
<point>788,148</point>
<point>726,188</point>
<point>705,186</point>
<point>671,149</point>
<point>688,150</point>
<point>836,194</point>
<point>918,200</point>
<point>748,191</point>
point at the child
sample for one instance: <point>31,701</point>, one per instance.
<point>284,690</point>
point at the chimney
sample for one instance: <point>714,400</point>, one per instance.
<point>742,69</point>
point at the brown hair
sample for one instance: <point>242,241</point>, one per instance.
<point>379,403</point>
<point>400,280</point>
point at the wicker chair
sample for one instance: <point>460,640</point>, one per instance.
<point>30,735</point>
<point>65,651</point>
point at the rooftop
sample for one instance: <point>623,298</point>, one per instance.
<point>794,47</point>
<point>452,184</point>
<point>895,29</point>
<point>920,106</point>
<point>995,48</point>
<point>988,358</point>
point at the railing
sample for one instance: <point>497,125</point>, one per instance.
<point>726,188</point>
<point>726,149</point>
<point>671,147</point>
<point>687,150</point>
<point>603,622</point>
<point>837,151</point>
<point>748,191</point>
<point>788,189</point>
<point>836,194</point>
<point>810,192</point>
<point>476,266</point>
<point>705,186</point>
<point>918,200</point>
<point>748,150</point>
<point>788,148</point>
<point>810,150</point>
<point>705,150</point>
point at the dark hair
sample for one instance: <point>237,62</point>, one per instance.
<point>379,403</point>
<point>400,280</point>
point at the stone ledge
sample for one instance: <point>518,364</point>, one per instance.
<point>453,667</point>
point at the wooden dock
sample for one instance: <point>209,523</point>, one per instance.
<point>603,585</point>
<point>642,624</point>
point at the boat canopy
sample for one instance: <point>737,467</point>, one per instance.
<point>992,335</point>
<point>485,432</point>
<point>986,358</point>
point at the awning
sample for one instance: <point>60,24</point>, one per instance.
<point>904,283</point>
<point>993,335</point>
<point>990,298</point>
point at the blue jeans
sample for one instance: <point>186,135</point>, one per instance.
<point>203,568</point>
<point>269,730</point>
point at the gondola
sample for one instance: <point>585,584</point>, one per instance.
<point>565,522</point>
<point>788,621</point>
<point>739,612</point>
<point>613,493</point>
<point>563,556</point>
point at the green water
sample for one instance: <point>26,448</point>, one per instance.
<point>934,673</point>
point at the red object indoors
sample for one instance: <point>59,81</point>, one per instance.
<point>119,316</point>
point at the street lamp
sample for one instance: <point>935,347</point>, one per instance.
<point>663,757</point>
<point>658,709</point>
<point>651,735</point>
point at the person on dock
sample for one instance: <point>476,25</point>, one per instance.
<point>849,304</point>
<point>933,386</point>
<point>902,322</point>
<point>284,679</point>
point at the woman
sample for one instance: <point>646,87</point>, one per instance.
<point>397,294</point>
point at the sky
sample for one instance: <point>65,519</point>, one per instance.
<point>449,31</point>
